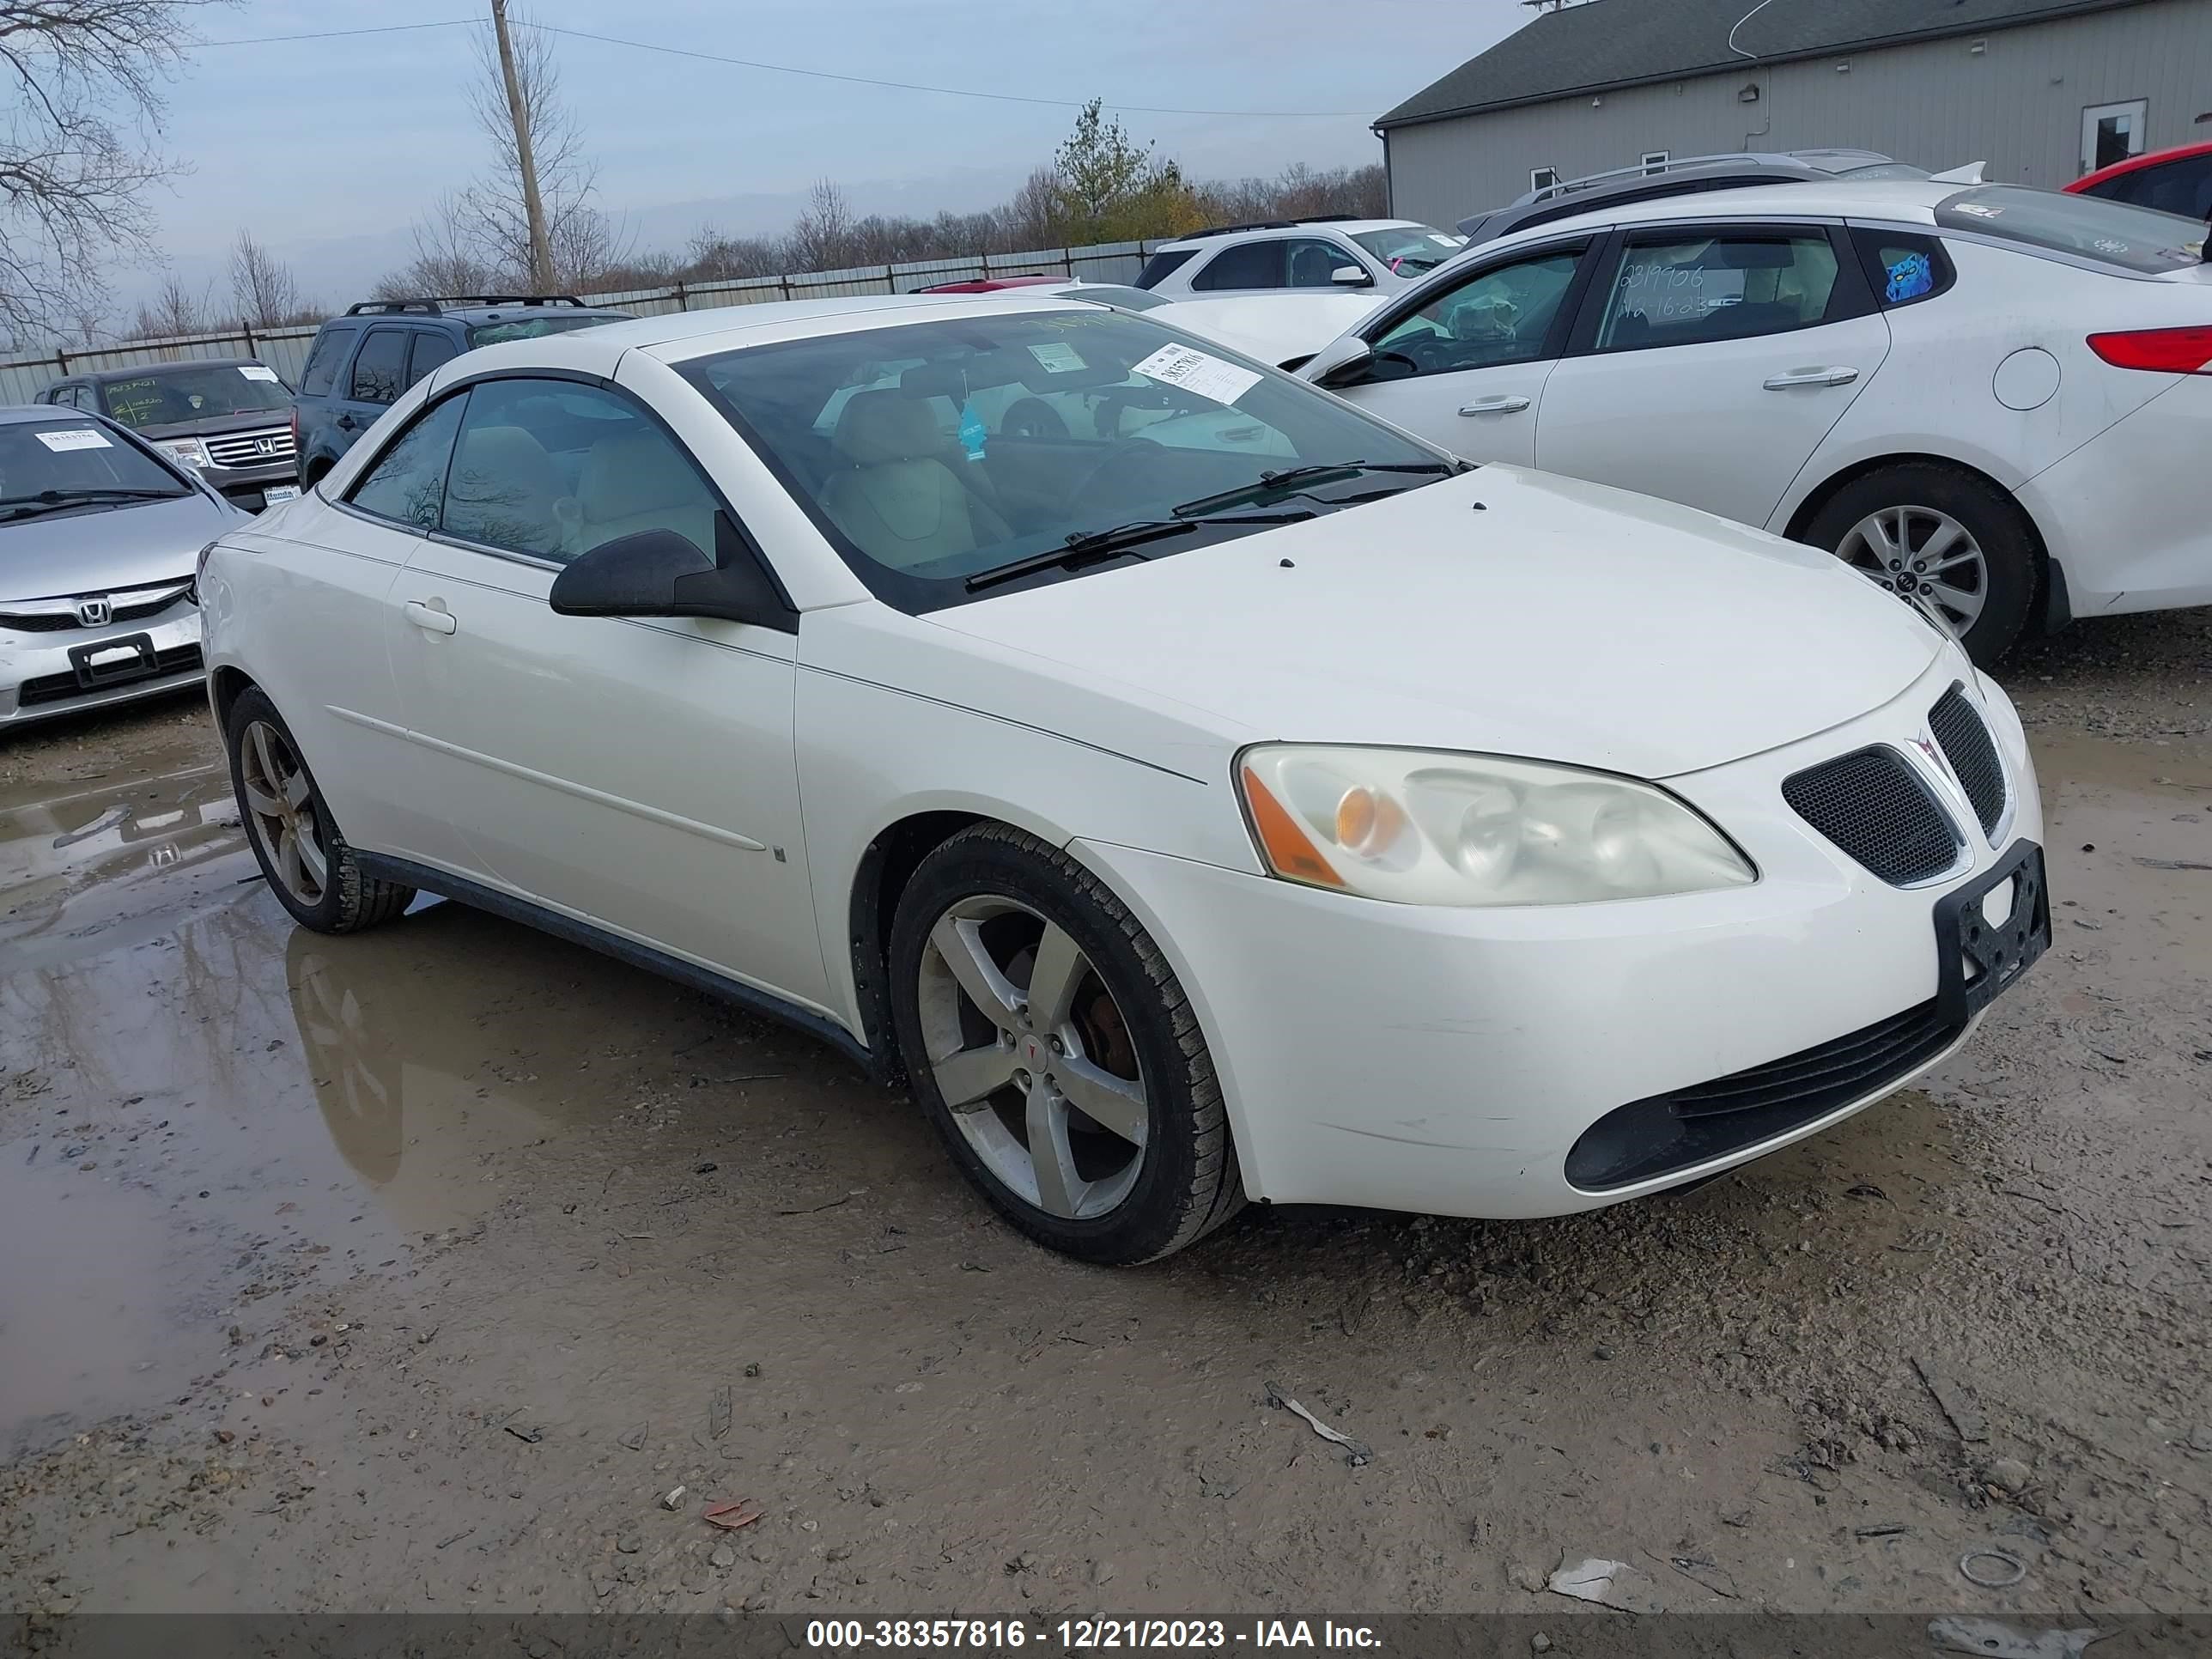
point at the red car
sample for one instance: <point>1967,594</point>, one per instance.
<point>2178,181</point>
<point>988,284</point>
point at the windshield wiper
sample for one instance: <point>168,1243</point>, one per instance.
<point>1292,480</point>
<point>25,506</point>
<point>1091,547</point>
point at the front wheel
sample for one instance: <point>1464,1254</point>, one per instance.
<point>306,860</point>
<point>1051,1044</point>
<point>1944,536</point>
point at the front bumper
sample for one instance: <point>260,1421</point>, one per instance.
<point>248,486</point>
<point>39,678</point>
<point>1448,1060</point>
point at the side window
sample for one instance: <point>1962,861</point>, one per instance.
<point>409,478</point>
<point>1164,263</point>
<point>1311,262</point>
<point>380,371</point>
<point>322,370</point>
<point>1501,315</point>
<point>1730,287</point>
<point>2183,187</point>
<point>428,351</point>
<point>1248,265</point>
<point>1903,268</point>
<point>556,469</point>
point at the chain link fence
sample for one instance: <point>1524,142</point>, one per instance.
<point>285,350</point>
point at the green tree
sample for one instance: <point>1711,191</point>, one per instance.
<point>1111,188</point>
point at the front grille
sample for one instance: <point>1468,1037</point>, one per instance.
<point>1678,1131</point>
<point>126,607</point>
<point>1872,806</point>
<point>244,449</point>
<point>1959,728</point>
<point>60,688</point>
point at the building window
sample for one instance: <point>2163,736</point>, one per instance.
<point>1543,177</point>
<point>1654,160</point>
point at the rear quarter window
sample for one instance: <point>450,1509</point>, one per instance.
<point>2110,233</point>
<point>1902,267</point>
<point>1163,265</point>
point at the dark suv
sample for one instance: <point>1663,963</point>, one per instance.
<point>222,416</point>
<point>362,361</point>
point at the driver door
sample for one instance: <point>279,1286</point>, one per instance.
<point>1465,367</point>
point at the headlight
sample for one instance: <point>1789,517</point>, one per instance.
<point>1421,827</point>
<point>191,450</point>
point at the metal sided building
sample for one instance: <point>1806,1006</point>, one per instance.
<point>2041,90</point>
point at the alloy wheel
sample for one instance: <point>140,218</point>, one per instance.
<point>280,810</point>
<point>1921,552</point>
<point>1033,1057</point>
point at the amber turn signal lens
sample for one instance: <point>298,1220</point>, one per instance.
<point>1287,847</point>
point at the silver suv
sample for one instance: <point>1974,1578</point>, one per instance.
<point>1336,251</point>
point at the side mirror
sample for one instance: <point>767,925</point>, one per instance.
<point>1346,363</point>
<point>1351,276</point>
<point>659,573</point>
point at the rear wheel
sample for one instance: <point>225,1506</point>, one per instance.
<point>1053,1048</point>
<point>307,862</point>
<point>1942,535</point>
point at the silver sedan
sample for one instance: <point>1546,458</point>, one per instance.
<point>98,540</point>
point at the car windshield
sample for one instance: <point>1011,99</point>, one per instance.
<point>530,328</point>
<point>46,465</point>
<point>177,392</point>
<point>932,452</point>
<point>1113,294</point>
<point>2132,237</point>
<point>1410,249</point>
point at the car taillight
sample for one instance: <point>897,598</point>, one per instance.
<point>2163,350</point>
<point>295,428</point>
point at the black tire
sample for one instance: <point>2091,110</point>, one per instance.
<point>1996,522</point>
<point>349,900</point>
<point>1187,1183</point>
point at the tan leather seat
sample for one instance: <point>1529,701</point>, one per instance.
<point>638,482</point>
<point>899,503</point>
<point>503,490</point>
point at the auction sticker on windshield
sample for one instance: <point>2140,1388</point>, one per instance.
<point>73,438</point>
<point>256,372</point>
<point>1058,357</point>
<point>1195,371</point>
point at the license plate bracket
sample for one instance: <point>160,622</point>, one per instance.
<point>1976,957</point>
<point>98,665</point>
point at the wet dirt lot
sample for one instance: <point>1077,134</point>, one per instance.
<point>410,1271</point>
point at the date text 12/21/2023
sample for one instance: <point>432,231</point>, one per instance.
<point>1085,1635</point>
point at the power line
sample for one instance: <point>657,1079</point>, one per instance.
<point>340,35</point>
<point>809,74</point>
<point>948,92</point>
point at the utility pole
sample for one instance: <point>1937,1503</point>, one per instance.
<point>541,248</point>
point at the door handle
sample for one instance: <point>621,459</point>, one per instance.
<point>1508,405</point>
<point>432,620</point>
<point>1840,375</point>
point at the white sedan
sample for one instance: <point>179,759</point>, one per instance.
<point>1248,802</point>
<point>1996,398</point>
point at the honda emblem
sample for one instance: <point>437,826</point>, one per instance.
<point>94,613</point>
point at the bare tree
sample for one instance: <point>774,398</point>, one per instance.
<point>261,285</point>
<point>81,82</point>
<point>448,259</point>
<point>822,236</point>
<point>175,310</point>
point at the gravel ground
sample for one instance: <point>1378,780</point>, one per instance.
<point>421,1270</point>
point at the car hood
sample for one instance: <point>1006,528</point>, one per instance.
<point>132,545</point>
<point>1508,612</point>
<point>214,426</point>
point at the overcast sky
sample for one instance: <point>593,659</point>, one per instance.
<point>328,148</point>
